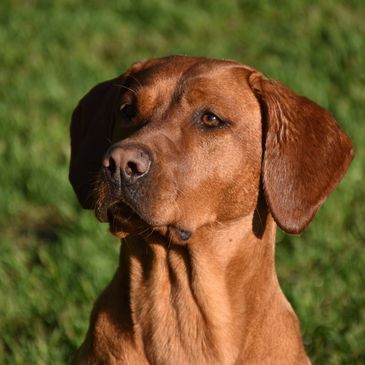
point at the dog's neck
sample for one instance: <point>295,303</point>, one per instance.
<point>211,289</point>
<point>215,300</point>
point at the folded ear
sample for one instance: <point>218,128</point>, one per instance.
<point>306,153</point>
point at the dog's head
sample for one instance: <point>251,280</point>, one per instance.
<point>181,142</point>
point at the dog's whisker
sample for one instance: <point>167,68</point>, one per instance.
<point>126,88</point>
<point>135,79</point>
<point>260,218</point>
<point>150,234</point>
<point>143,230</point>
<point>169,241</point>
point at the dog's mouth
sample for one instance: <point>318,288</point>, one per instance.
<point>122,218</point>
<point>127,218</point>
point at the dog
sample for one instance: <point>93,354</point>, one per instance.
<point>194,162</point>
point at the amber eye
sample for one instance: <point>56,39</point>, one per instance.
<point>211,121</point>
<point>128,111</point>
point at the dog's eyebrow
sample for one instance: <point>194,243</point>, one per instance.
<point>198,71</point>
<point>182,80</point>
<point>182,86</point>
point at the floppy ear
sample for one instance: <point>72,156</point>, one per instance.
<point>91,125</point>
<point>306,153</point>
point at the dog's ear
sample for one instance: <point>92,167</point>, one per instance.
<point>91,134</point>
<point>91,125</point>
<point>306,153</point>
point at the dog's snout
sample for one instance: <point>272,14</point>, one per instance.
<point>127,163</point>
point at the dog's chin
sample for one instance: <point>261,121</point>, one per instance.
<point>122,220</point>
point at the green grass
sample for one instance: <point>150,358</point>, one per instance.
<point>55,258</point>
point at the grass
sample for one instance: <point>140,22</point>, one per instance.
<point>55,258</point>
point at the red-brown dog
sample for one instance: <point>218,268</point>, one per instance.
<point>195,161</point>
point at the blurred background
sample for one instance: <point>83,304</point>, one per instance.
<point>55,258</point>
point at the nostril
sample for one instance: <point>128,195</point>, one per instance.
<point>112,167</point>
<point>132,168</point>
<point>136,168</point>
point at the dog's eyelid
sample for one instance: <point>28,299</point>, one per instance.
<point>209,120</point>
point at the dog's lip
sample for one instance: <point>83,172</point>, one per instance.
<point>101,211</point>
<point>123,212</point>
<point>106,213</point>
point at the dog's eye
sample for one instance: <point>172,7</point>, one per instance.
<point>210,120</point>
<point>128,111</point>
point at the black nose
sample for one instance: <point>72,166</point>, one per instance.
<point>127,163</point>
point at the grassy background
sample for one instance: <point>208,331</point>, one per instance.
<point>55,258</point>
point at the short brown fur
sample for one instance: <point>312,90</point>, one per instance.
<point>196,282</point>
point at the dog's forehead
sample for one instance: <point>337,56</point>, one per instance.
<point>178,69</point>
<point>179,75</point>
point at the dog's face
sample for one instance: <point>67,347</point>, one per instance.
<point>183,142</point>
<point>200,138</point>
